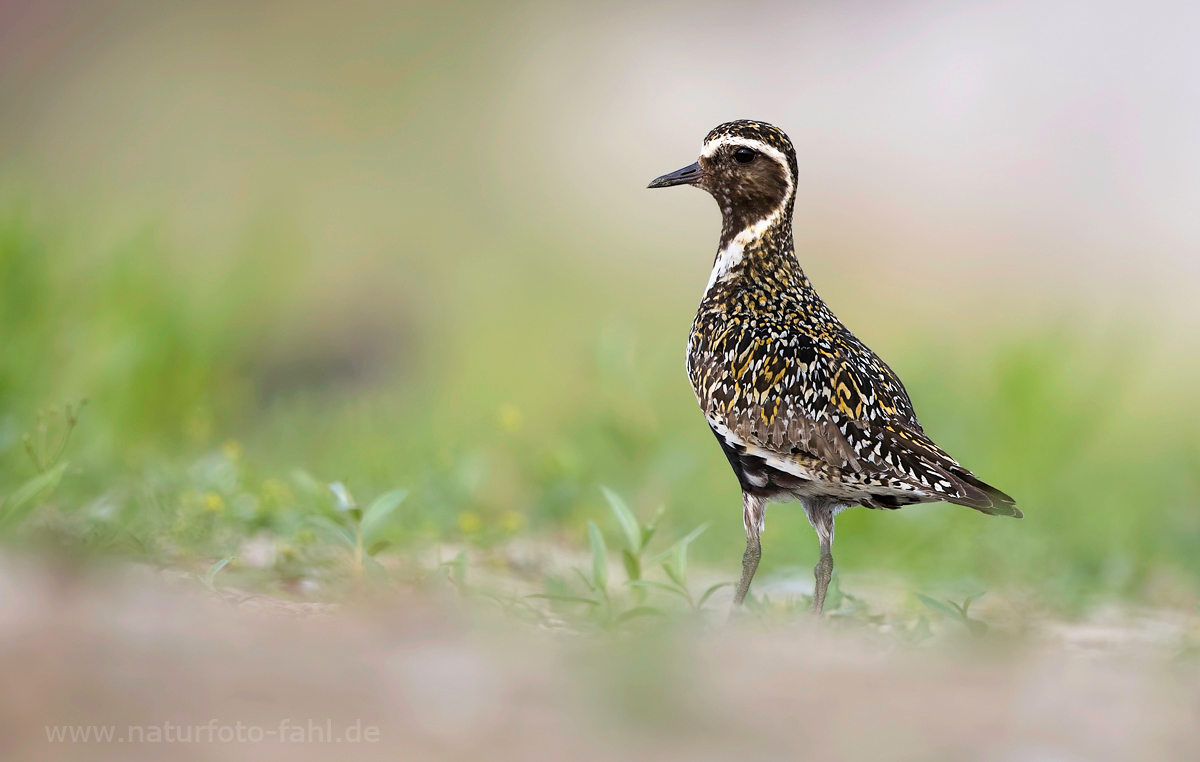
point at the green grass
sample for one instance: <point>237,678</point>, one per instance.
<point>502,399</point>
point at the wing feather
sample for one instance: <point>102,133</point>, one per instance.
<point>827,408</point>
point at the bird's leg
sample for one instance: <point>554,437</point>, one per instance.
<point>753,514</point>
<point>820,515</point>
<point>823,572</point>
<point>749,566</point>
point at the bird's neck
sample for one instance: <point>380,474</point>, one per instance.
<point>737,227</point>
<point>761,247</point>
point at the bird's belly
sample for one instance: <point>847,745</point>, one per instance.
<point>798,474</point>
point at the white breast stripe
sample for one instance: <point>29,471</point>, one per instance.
<point>731,256</point>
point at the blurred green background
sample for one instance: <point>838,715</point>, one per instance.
<point>409,246</point>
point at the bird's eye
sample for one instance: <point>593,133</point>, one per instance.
<point>743,155</point>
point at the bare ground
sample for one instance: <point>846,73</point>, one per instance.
<point>440,679</point>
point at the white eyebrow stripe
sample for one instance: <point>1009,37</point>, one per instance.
<point>713,146</point>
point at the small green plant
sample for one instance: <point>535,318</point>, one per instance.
<point>596,583</point>
<point>637,534</point>
<point>599,581</point>
<point>958,612</point>
<point>674,561</point>
<point>454,572</point>
<point>361,531</point>
<point>602,604</point>
<point>210,576</point>
<point>915,635</point>
<point>843,605</point>
<point>17,506</point>
<point>38,446</point>
<point>46,458</point>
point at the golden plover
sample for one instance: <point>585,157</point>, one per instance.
<point>801,407</point>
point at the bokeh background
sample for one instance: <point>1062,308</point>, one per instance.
<point>409,245</point>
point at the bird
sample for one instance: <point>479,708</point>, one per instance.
<point>801,408</point>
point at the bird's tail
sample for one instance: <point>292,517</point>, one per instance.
<point>983,497</point>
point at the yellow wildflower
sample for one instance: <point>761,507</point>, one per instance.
<point>232,449</point>
<point>511,521</point>
<point>213,502</point>
<point>510,417</point>
<point>276,491</point>
<point>469,522</point>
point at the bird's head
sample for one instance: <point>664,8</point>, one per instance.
<point>749,168</point>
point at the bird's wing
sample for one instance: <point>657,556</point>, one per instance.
<point>796,399</point>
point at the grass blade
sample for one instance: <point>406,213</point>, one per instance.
<point>586,582</point>
<point>378,512</point>
<point>708,593</point>
<point>659,586</point>
<point>966,605</point>
<point>599,557</point>
<point>307,483</point>
<point>211,574</point>
<point>629,523</point>
<point>564,598</point>
<point>20,502</point>
<point>633,567</point>
<point>682,542</point>
<point>458,569</point>
<point>334,529</point>
<point>637,611</point>
<point>673,572</point>
<point>944,609</point>
<point>345,501</point>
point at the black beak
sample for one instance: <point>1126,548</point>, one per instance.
<point>686,176</point>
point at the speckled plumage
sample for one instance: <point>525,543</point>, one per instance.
<point>801,407</point>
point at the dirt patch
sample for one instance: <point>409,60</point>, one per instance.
<point>431,677</point>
